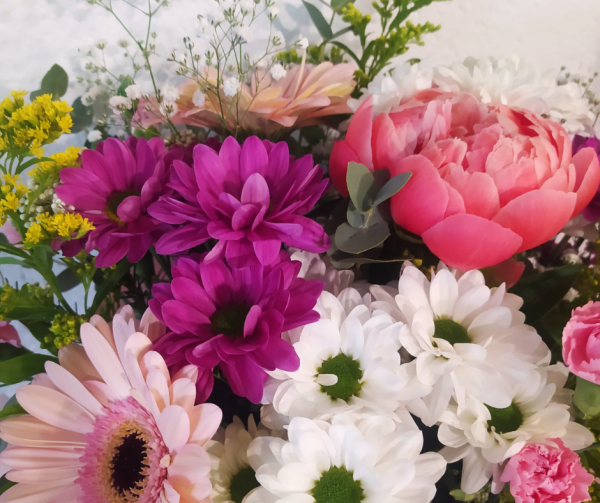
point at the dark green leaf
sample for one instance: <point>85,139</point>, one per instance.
<point>5,484</point>
<point>337,217</point>
<point>55,82</point>
<point>392,187</point>
<point>35,94</point>
<point>541,292</point>
<point>108,285</point>
<point>348,51</point>
<point>39,329</point>
<point>587,397</point>
<point>351,240</point>
<point>82,116</point>
<point>125,83</point>
<point>12,410</point>
<point>338,5</point>
<point>8,351</point>
<point>341,32</point>
<point>367,257</point>
<point>23,368</point>
<point>4,239</point>
<point>10,261</point>
<point>361,186</point>
<point>67,280</point>
<point>31,314</point>
<point>319,21</point>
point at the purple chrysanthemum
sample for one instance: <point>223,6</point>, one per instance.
<point>250,198</point>
<point>233,318</point>
<point>113,189</point>
<point>592,211</point>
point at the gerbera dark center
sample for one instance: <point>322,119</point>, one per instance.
<point>242,483</point>
<point>337,485</point>
<point>113,203</point>
<point>505,420</point>
<point>229,320</point>
<point>129,463</point>
<point>451,331</point>
<point>348,373</point>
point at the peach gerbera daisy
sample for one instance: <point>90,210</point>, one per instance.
<point>271,108</point>
<point>109,425</point>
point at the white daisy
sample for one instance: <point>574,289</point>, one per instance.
<point>464,336</point>
<point>483,436</point>
<point>348,359</point>
<point>356,458</point>
<point>512,82</point>
<point>231,474</point>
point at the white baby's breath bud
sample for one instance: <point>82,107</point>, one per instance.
<point>94,136</point>
<point>119,103</point>
<point>273,12</point>
<point>302,42</point>
<point>170,94</point>
<point>214,17</point>
<point>246,6</point>
<point>244,33</point>
<point>278,40</point>
<point>168,109</point>
<point>123,42</point>
<point>199,98</point>
<point>101,44</point>
<point>278,71</point>
<point>133,92</point>
<point>231,86</point>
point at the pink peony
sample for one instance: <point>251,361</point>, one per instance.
<point>547,473</point>
<point>487,181</point>
<point>581,342</point>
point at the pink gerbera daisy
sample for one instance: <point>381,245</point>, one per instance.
<point>109,425</point>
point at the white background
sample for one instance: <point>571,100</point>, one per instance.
<point>38,33</point>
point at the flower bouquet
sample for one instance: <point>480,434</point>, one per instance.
<point>306,274</point>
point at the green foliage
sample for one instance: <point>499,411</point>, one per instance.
<point>82,116</point>
<point>23,368</point>
<point>55,82</point>
<point>379,45</point>
<point>542,291</point>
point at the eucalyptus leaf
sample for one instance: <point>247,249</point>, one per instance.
<point>351,240</point>
<point>360,220</point>
<point>23,368</point>
<point>392,187</point>
<point>361,186</point>
<point>365,258</point>
<point>541,292</point>
<point>587,397</point>
<point>67,280</point>
<point>318,20</point>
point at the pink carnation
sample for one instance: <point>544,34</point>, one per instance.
<point>581,342</point>
<point>547,473</point>
<point>487,181</point>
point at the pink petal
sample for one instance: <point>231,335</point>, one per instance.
<point>37,493</point>
<point>189,466</point>
<point>587,177</point>
<point>341,155</point>
<point>174,425</point>
<point>205,420</point>
<point>130,209</point>
<point>267,250</point>
<point>423,201</point>
<point>537,215</point>
<point>256,191</point>
<point>73,388</point>
<point>470,242</point>
<point>478,191</point>
<point>253,159</point>
<point>358,136</point>
<point>30,431</point>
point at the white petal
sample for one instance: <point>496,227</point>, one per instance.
<point>476,472</point>
<point>352,337</point>
<point>443,293</point>
<point>326,379</point>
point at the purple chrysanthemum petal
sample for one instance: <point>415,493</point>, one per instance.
<point>234,317</point>
<point>250,198</point>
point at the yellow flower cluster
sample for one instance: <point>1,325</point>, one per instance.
<point>30,126</point>
<point>12,190</point>
<point>60,225</point>
<point>64,330</point>
<point>67,159</point>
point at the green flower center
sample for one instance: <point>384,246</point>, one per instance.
<point>451,331</point>
<point>348,373</point>
<point>229,320</point>
<point>337,485</point>
<point>505,420</point>
<point>242,483</point>
<point>113,204</point>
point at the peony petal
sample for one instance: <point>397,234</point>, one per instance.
<point>469,242</point>
<point>587,179</point>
